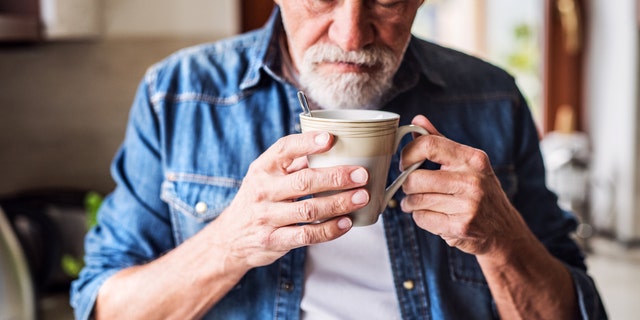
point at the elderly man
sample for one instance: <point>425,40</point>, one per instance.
<point>212,210</point>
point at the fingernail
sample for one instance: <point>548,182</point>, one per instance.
<point>360,197</point>
<point>344,223</point>
<point>359,176</point>
<point>322,139</point>
<point>403,205</point>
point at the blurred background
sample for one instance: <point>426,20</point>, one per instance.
<point>69,70</point>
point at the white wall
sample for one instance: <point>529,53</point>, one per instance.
<point>77,19</point>
<point>210,18</point>
<point>65,103</point>
<point>611,100</point>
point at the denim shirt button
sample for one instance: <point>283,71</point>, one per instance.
<point>201,207</point>
<point>297,127</point>
<point>408,284</point>
<point>287,286</point>
<point>393,203</point>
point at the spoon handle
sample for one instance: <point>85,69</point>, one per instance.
<point>303,103</point>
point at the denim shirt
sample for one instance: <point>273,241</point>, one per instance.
<point>201,116</point>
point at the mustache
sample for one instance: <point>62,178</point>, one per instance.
<point>368,56</point>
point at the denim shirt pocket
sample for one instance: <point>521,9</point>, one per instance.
<point>195,200</point>
<point>464,267</point>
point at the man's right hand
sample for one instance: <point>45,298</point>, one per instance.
<point>265,221</point>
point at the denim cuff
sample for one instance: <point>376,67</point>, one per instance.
<point>84,295</point>
<point>589,301</point>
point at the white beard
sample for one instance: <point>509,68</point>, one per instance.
<point>351,90</point>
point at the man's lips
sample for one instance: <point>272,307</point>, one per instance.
<point>344,67</point>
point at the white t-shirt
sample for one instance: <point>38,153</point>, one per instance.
<point>350,278</point>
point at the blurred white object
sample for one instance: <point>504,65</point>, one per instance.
<point>567,157</point>
<point>70,19</point>
<point>17,298</point>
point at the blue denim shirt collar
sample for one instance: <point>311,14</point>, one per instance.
<point>267,55</point>
<point>426,65</point>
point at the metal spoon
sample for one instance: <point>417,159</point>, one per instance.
<point>303,103</point>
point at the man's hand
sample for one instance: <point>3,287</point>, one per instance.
<point>265,221</point>
<point>462,202</point>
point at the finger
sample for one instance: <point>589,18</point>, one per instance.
<point>422,121</point>
<point>449,154</point>
<point>440,181</point>
<point>451,228</point>
<point>290,237</point>
<point>432,221</point>
<point>446,226</point>
<point>298,164</point>
<point>320,208</point>
<point>315,180</point>
<point>286,150</point>
<point>443,203</point>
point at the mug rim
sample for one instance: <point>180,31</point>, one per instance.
<point>356,115</point>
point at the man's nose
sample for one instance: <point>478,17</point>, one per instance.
<point>352,28</point>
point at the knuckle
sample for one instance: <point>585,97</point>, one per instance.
<point>259,195</point>
<point>267,241</point>
<point>428,142</point>
<point>478,160</point>
<point>306,211</point>
<point>408,182</point>
<point>339,205</point>
<point>471,207</point>
<point>280,145</point>
<point>261,220</point>
<point>303,236</point>
<point>474,181</point>
<point>336,178</point>
<point>319,235</point>
<point>301,182</point>
<point>324,234</point>
<point>473,185</point>
<point>257,168</point>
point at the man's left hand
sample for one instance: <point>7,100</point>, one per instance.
<point>462,202</point>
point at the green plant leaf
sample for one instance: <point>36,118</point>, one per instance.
<point>92,202</point>
<point>71,265</point>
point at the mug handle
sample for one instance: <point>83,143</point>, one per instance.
<point>395,185</point>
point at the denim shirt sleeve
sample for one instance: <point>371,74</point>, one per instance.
<point>548,222</point>
<point>589,301</point>
<point>133,221</point>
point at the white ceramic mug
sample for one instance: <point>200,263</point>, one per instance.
<point>365,138</point>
